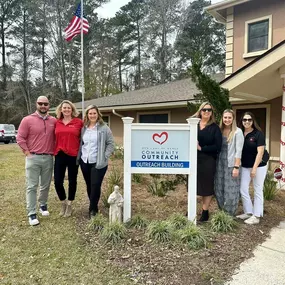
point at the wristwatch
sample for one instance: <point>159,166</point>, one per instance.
<point>236,167</point>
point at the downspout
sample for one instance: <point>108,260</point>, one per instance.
<point>115,113</point>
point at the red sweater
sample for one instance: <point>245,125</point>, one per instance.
<point>67,137</point>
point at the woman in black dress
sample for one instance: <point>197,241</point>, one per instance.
<point>209,145</point>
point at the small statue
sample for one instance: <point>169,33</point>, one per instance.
<point>116,201</point>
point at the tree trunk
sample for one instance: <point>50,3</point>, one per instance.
<point>4,67</point>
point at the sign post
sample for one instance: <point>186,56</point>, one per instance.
<point>160,149</point>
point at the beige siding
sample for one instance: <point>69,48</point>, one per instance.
<point>250,11</point>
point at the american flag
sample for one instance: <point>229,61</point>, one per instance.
<point>74,27</point>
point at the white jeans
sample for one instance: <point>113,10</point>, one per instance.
<point>257,207</point>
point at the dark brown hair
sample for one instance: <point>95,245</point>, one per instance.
<point>254,122</point>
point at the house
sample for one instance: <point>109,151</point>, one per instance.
<point>164,103</point>
<point>255,63</point>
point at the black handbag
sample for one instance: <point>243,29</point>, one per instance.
<point>265,156</point>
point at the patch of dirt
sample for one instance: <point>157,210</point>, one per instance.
<point>149,263</point>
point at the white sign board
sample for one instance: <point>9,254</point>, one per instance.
<point>161,149</point>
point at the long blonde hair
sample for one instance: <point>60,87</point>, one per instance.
<point>59,114</point>
<point>86,121</point>
<point>233,126</point>
<point>198,113</point>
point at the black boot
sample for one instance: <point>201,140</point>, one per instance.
<point>205,216</point>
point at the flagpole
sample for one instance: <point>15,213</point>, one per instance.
<point>82,62</point>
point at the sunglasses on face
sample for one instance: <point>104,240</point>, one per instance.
<point>247,120</point>
<point>42,104</point>
<point>206,110</point>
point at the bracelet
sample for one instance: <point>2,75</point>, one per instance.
<point>236,167</point>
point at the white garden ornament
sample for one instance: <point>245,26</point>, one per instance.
<point>116,202</point>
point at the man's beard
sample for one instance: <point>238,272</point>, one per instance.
<point>43,112</point>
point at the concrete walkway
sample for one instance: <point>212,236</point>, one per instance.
<point>267,267</point>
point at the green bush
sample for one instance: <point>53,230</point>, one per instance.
<point>118,152</point>
<point>113,233</point>
<point>160,231</point>
<point>192,236</point>
<point>223,222</point>
<point>106,194</point>
<point>178,221</point>
<point>159,187</point>
<point>136,177</point>
<point>97,223</point>
<point>138,222</point>
<point>115,177</point>
<point>270,187</point>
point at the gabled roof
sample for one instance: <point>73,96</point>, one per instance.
<point>172,94</point>
<point>219,10</point>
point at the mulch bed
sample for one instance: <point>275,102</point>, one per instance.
<point>150,263</point>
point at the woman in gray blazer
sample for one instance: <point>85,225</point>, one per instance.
<point>227,180</point>
<point>96,146</point>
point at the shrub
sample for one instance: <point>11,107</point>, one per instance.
<point>138,222</point>
<point>159,187</point>
<point>97,223</point>
<point>178,221</point>
<point>115,177</point>
<point>118,152</point>
<point>113,233</point>
<point>270,187</point>
<point>192,236</point>
<point>136,177</point>
<point>159,231</point>
<point>223,222</point>
<point>106,194</point>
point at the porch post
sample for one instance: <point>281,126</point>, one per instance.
<point>282,139</point>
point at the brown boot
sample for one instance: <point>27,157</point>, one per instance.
<point>63,208</point>
<point>68,210</point>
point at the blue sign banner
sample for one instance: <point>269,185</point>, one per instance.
<point>160,164</point>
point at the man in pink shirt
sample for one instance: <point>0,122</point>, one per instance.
<point>36,139</point>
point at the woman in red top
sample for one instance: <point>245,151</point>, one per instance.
<point>67,134</point>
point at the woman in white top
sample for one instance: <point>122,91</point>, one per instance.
<point>97,144</point>
<point>227,180</point>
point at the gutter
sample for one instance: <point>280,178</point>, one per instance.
<point>115,113</point>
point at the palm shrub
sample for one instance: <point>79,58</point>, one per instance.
<point>192,236</point>
<point>138,222</point>
<point>115,177</point>
<point>106,194</point>
<point>178,221</point>
<point>223,222</point>
<point>136,177</point>
<point>270,186</point>
<point>160,231</point>
<point>113,233</point>
<point>97,223</point>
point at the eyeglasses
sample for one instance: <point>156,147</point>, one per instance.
<point>42,104</point>
<point>206,110</point>
<point>247,120</point>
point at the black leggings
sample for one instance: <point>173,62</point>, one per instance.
<point>63,161</point>
<point>93,178</point>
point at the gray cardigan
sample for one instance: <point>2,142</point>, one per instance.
<point>105,144</point>
<point>235,147</point>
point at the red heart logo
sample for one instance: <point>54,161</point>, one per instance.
<point>160,138</point>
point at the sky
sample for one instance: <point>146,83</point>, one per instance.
<point>109,10</point>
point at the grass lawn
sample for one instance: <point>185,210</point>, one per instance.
<point>65,251</point>
<point>53,252</point>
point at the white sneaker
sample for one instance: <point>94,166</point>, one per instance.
<point>43,210</point>
<point>243,216</point>
<point>33,221</point>
<point>253,220</point>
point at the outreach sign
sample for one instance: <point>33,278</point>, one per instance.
<point>160,149</point>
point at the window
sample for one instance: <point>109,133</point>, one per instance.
<point>258,36</point>
<point>106,119</point>
<point>154,118</point>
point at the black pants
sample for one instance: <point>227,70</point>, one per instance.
<point>63,161</point>
<point>93,178</point>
